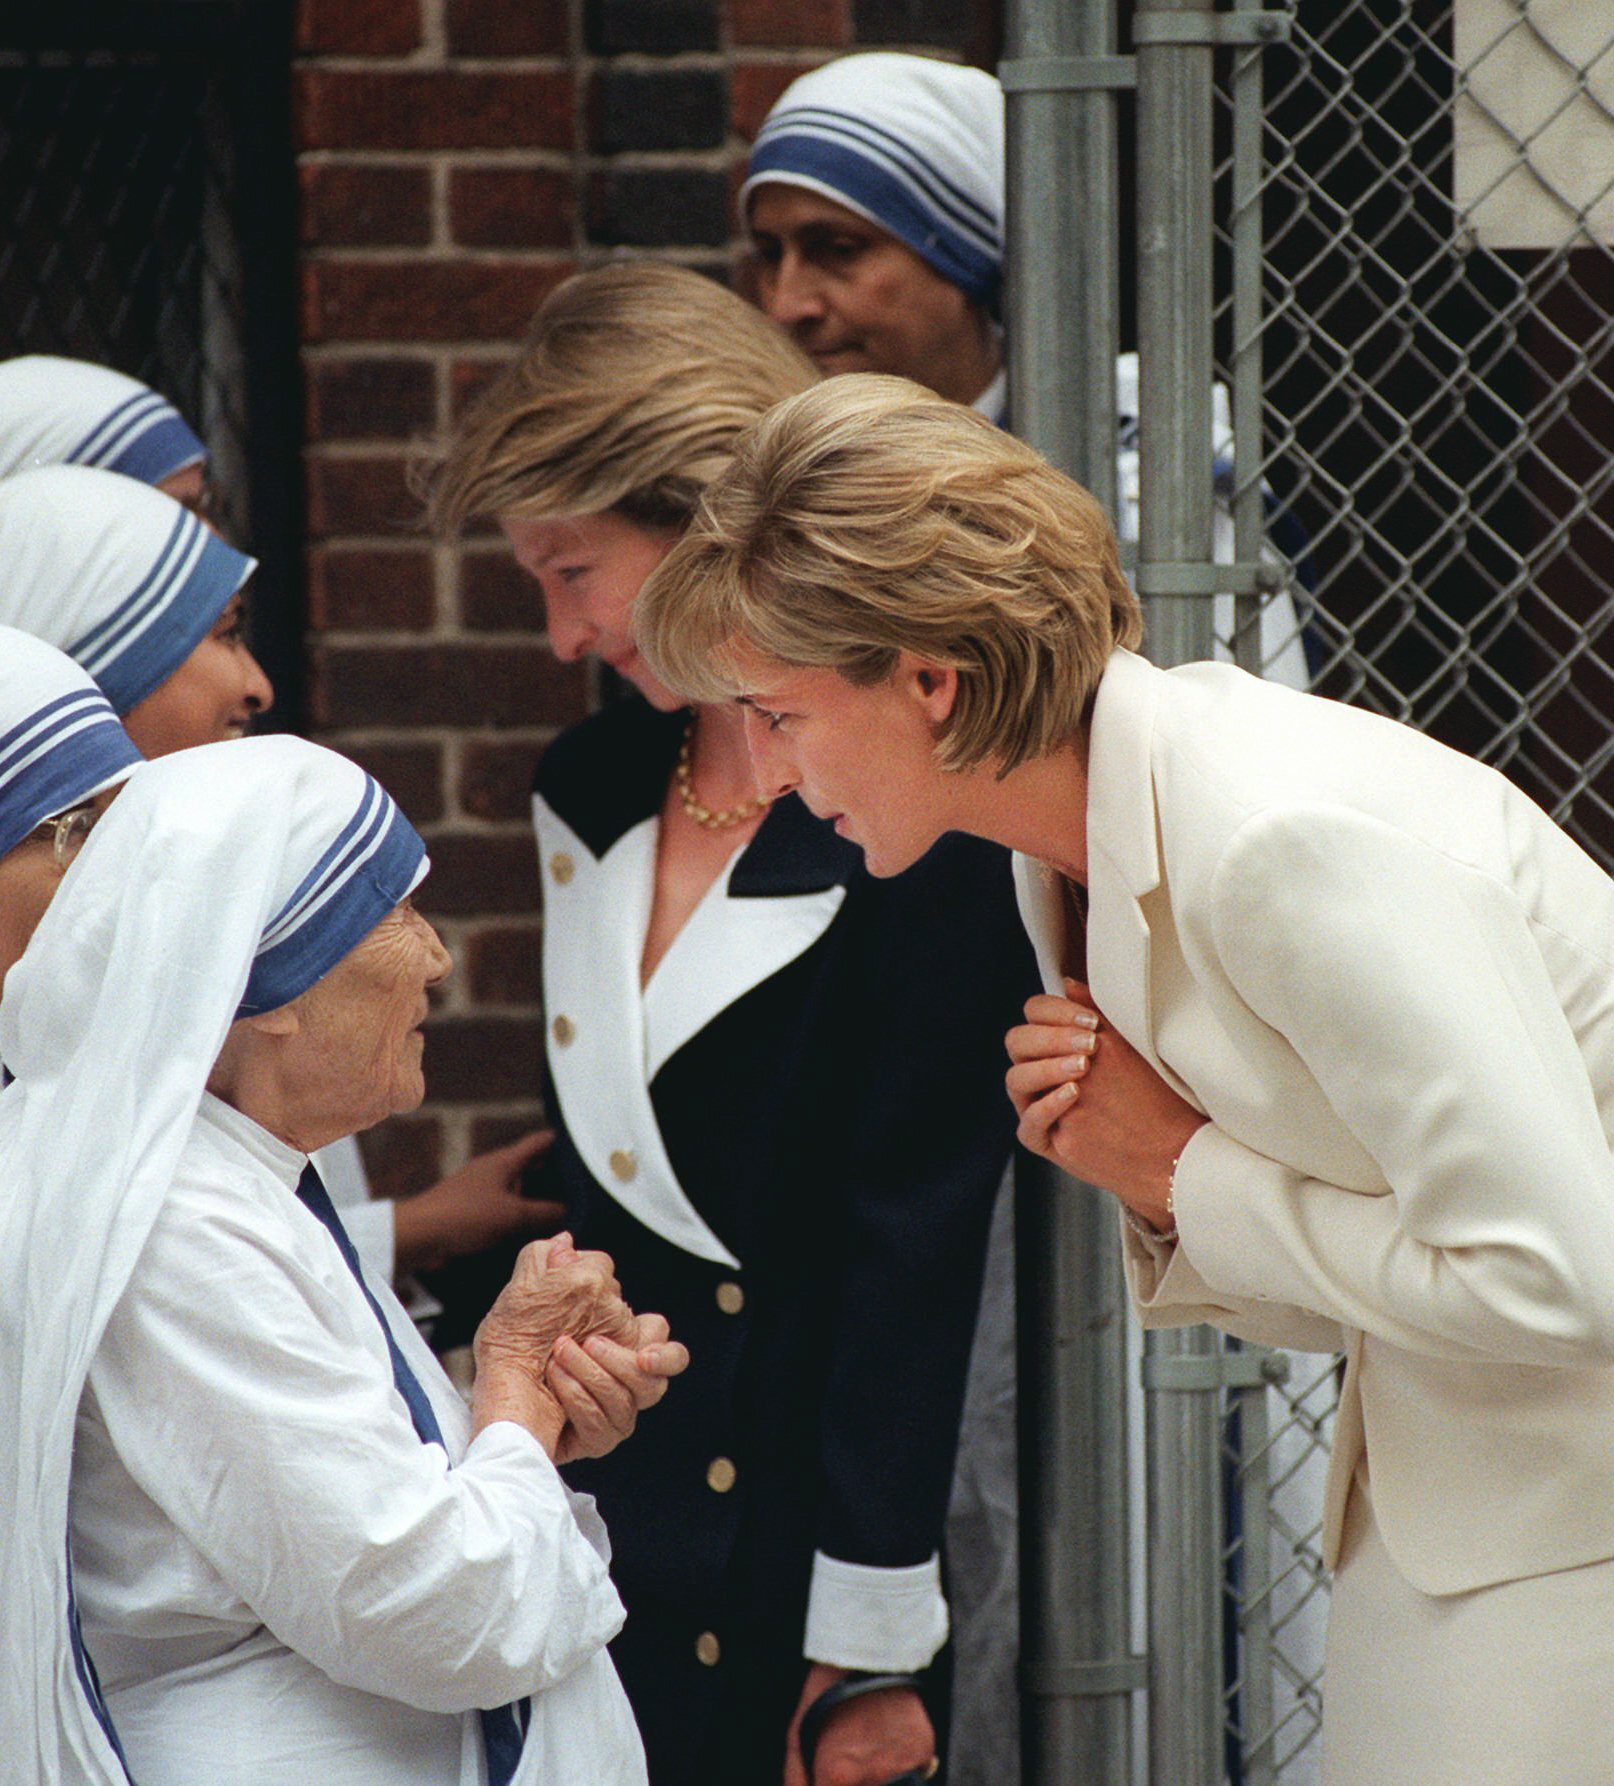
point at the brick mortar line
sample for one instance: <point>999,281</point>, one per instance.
<point>451,255</point>
<point>492,155</point>
<point>359,737</point>
<point>423,61</point>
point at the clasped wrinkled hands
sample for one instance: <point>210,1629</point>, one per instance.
<point>565,1355</point>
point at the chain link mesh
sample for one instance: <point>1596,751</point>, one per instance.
<point>1437,339</point>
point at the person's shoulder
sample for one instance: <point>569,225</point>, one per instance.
<point>610,770</point>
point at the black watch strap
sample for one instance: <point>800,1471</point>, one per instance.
<point>818,1714</point>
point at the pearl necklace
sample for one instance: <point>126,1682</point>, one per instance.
<point>684,775</point>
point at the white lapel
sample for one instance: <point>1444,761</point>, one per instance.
<point>596,911</point>
<point>726,947</point>
<point>1042,911</point>
<point>1123,858</point>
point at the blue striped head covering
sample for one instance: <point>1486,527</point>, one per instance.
<point>369,859</point>
<point>70,412</point>
<point>60,741</point>
<point>119,576</point>
<point>912,144</point>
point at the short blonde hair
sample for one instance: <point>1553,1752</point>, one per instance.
<point>628,395</point>
<point>869,516</point>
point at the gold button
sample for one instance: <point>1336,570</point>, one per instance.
<point>707,1649</point>
<point>624,1165</point>
<point>562,867</point>
<point>563,1029</point>
<point>730,1298</point>
<point>720,1474</point>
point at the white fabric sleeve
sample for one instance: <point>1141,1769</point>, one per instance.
<point>251,1398</point>
<point>1166,1291</point>
<point>1413,990</point>
<point>885,1620</point>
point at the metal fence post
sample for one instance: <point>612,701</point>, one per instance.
<point>1174,576</point>
<point>1061,75</point>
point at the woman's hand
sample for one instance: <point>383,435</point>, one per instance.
<point>553,1290</point>
<point>603,1386</point>
<point>1088,1101</point>
<point>867,1741</point>
<point>473,1209</point>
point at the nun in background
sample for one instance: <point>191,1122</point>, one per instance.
<point>151,602</point>
<point>139,592</point>
<point>236,1482</point>
<point>62,756</point>
<point>874,199</point>
<point>55,411</point>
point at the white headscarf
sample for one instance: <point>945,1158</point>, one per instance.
<point>60,741</point>
<point>70,412</point>
<point>222,880</point>
<point>913,144</point>
<point>119,576</point>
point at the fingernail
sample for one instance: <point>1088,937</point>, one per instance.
<point>1068,1091</point>
<point>1078,1063</point>
<point>1085,1020</point>
<point>1084,1040</point>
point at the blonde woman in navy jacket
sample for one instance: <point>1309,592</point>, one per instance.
<point>775,1082</point>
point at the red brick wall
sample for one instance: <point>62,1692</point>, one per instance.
<point>456,159</point>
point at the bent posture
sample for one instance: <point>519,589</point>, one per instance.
<point>1344,1054</point>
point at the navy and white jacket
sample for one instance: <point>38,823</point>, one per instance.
<point>789,1141</point>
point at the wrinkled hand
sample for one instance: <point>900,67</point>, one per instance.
<point>553,1290</point>
<point>478,1207</point>
<point>603,1386</point>
<point>867,1741</point>
<point>1088,1101</point>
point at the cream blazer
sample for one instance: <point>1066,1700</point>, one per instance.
<point>1388,980</point>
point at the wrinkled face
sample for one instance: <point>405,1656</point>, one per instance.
<point>212,696</point>
<point>856,299</point>
<point>590,569</point>
<point>30,873</point>
<point>863,758</point>
<point>359,1044</point>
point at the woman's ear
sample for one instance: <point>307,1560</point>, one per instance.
<point>933,686</point>
<point>285,1020</point>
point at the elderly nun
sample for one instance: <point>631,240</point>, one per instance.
<point>61,752</point>
<point>146,597</point>
<point>248,1531</point>
<point>56,411</point>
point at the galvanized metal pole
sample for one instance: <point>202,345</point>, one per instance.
<point>1176,577</point>
<point>1077,1674</point>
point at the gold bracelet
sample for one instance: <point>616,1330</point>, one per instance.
<point>1142,1226</point>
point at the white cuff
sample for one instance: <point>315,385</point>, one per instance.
<point>885,1620</point>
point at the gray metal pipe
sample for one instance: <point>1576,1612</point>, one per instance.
<point>1176,509</point>
<point>1077,1673</point>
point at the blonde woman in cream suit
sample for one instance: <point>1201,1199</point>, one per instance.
<point>1345,1053</point>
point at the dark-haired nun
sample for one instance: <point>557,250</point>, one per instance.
<point>62,756</point>
<point>248,1530</point>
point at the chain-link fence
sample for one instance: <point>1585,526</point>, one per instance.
<point>1415,313</point>
<point>146,223</point>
